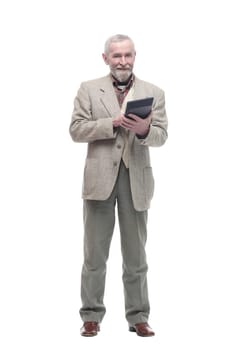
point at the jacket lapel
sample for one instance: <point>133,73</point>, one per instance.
<point>108,97</point>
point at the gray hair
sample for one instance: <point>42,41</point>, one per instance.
<point>115,39</point>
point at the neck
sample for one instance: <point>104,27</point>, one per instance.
<point>122,83</point>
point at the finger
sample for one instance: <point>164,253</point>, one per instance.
<point>133,117</point>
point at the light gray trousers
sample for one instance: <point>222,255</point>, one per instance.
<point>99,221</point>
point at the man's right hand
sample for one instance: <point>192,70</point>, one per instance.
<point>117,121</point>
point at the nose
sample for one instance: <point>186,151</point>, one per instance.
<point>123,61</point>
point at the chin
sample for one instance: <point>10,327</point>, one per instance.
<point>122,76</point>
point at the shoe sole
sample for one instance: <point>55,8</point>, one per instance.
<point>132,329</point>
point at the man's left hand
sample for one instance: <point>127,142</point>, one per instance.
<point>136,124</point>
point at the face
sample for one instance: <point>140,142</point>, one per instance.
<point>121,59</point>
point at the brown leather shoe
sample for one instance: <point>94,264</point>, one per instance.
<point>90,329</point>
<point>142,329</point>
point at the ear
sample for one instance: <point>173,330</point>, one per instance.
<point>105,58</point>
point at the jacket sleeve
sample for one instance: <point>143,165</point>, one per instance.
<point>85,127</point>
<point>157,135</point>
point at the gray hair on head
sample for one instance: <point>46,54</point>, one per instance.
<point>115,39</point>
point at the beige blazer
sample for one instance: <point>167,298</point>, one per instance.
<point>94,107</point>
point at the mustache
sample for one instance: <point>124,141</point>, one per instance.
<point>120,66</point>
<point>124,68</point>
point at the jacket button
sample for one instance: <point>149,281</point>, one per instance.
<point>119,146</point>
<point>115,163</point>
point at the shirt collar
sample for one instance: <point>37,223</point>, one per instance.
<point>123,86</point>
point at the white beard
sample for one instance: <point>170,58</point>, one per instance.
<point>121,75</point>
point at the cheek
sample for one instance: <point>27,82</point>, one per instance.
<point>131,62</point>
<point>113,65</point>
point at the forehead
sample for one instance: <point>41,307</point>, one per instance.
<point>121,47</point>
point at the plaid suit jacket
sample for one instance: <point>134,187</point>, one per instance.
<point>94,107</point>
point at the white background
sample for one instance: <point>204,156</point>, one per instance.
<point>47,48</point>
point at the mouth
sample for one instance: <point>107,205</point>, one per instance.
<point>123,68</point>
